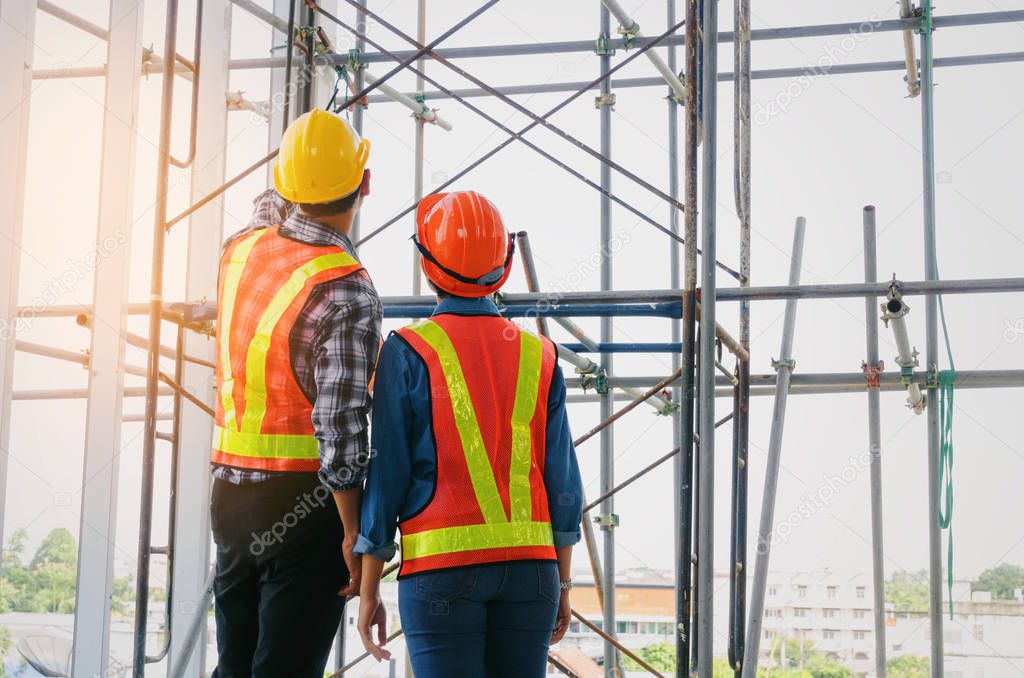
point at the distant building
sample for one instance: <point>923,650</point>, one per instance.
<point>985,639</point>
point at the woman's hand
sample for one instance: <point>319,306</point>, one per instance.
<point>563,617</point>
<point>372,613</point>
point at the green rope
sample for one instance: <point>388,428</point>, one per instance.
<point>947,379</point>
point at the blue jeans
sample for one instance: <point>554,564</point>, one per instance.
<point>489,620</point>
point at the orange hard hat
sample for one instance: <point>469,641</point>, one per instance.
<point>466,249</point>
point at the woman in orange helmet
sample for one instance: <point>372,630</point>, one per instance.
<point>474,462</point>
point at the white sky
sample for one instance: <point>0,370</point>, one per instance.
<point>842,142</point>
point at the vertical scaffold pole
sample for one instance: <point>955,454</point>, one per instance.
<point>419,122</point>
<point>156,287</point>
<point>741,419</point>
<point>17,31</point>
<point>675,278</point>
<point>784,367</point>
<point>706,455</point>
<point>871,370</point>
<point>358,111</point>
<point>684,479</point>
<point>931,339</point>
<point>106,345</point>
<point>607,517</point>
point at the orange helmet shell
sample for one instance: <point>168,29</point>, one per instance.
<point>466,249</point>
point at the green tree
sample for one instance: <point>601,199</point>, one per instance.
<point>907,666</point>
<point>1000,581</point>
<point>47,583</point>
<point>661,656</point>
<point>908,591</point>
<point>820,666</point>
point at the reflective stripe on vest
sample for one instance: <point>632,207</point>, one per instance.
<point>498,531</point>
<point>246,439</point>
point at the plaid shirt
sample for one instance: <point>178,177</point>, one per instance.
<point>334,346</point>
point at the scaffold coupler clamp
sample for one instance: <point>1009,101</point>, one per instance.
<point>602,100</point>
<point>595,378</point>
<point>607,521</point>
<point>932,377</point>
<point>788,363</point>
<point>603,46</point>
<point>873,373</point>
<point>628,34</point>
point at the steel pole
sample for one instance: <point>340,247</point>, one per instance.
<point>706,454</point>
<point>153,357</point>
<point>358,112</point>
<point>607,517</point>
<point>741,400</point>
<point>419,122</point>
<point>684,480</point>
<point>871,370</point>
<point>771,477</point>
<point>931,339</point>
<point>675,278</point>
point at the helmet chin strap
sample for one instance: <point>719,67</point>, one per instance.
<point>485,280</point>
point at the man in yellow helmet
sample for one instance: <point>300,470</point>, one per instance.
<point>298,330</point>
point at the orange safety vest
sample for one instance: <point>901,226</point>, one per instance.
<point>489,385</point>
<point>264,419</point>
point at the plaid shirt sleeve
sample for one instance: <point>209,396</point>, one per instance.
<point>343,355</point>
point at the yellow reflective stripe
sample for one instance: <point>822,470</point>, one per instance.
<point>236,264</point>
<point>259,346</point>
<point>475,537</point>
<point>262,445</point>
<point>477,461</point>
<point>527,386</point>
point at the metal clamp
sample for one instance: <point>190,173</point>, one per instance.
<point>595,380</point>
<point>605,100</point>
<point>628,34</point>
<point>607,521</point>
<point>355,60</point>
<point>789,363</point>
<point>932,377</point>
<point>873,373</point>
<point>602,46</point>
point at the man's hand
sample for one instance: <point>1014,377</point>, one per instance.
<point>372,613</point>
<point>355,567</point>
<point>563,618</point>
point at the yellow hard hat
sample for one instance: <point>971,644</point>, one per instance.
<point>321,159</point>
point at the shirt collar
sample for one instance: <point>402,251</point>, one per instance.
<point>466,306</point>
<point>305,229</point>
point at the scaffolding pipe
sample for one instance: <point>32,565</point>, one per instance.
<point>262,14</point>
<point>533,280</point>
<point>931,342</point>
<point>72,19</point>
<point>872,368</point>
<point>894,312</point>
<point>684,479</point>
<point>741,399</point>
<point>419,110</point>
<point>705,534</point>
<point>630,29</point>
<point>421,141</point>
<point>780,33</point>
<point>357,120</point>
<point>180,663</point>
<point>784,366</point>
<point>608,519</point>
<point>913,82</point>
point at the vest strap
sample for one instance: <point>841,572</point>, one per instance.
<point>474,538</point>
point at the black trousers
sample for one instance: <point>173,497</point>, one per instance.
<point>279,569</point>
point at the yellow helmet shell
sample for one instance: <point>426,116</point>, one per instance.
<point>321,159</point>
